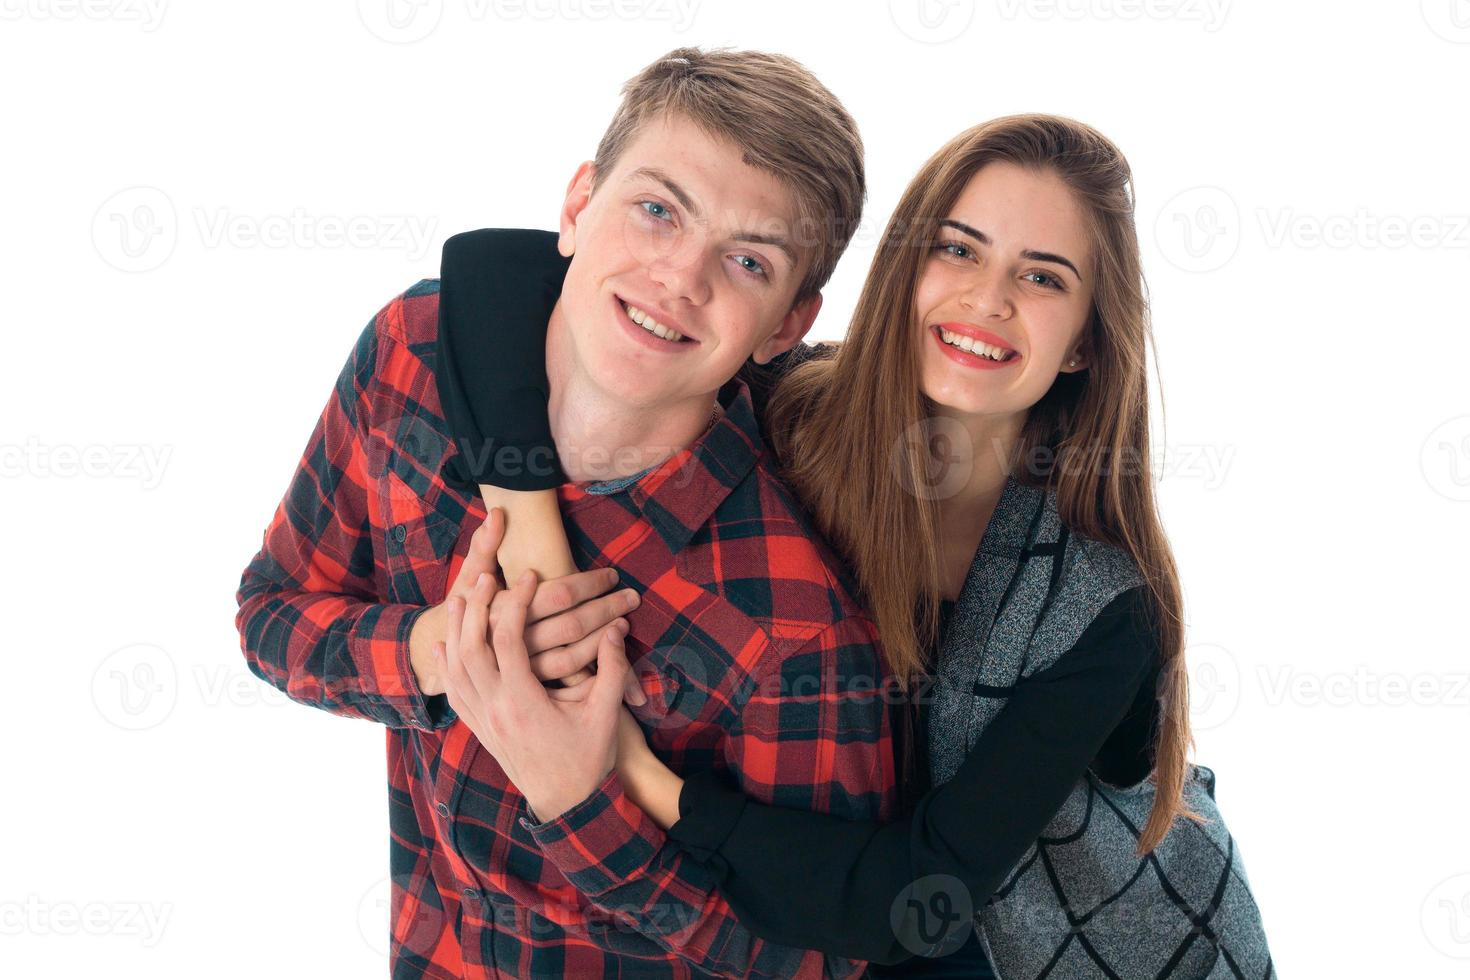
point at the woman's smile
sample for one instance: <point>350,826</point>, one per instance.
<point>973,347</point>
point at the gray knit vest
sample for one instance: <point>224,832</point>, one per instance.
<point>1080,903</point>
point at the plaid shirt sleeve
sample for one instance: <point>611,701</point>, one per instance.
<point>309,620</point>
<point>786,751</point>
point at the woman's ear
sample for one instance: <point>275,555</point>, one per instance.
<point>579,192</point>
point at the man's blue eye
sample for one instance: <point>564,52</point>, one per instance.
<point>649,206</point>
<point>754,266</point>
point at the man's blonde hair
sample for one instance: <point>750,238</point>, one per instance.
<point>784,120</point>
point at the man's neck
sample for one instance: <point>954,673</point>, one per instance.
<point>601,437</point>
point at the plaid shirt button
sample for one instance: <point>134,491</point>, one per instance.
<point>443,809</point>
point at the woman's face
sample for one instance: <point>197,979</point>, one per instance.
<point>1010,273</point>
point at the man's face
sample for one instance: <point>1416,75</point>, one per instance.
<point>684,264</point>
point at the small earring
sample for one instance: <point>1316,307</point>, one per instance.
<point>1071,364</point>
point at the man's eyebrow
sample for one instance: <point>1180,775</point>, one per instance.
<point>685,201</point>
<point>757,239</point>
<point>653,173</point>
<point>1029,253</point>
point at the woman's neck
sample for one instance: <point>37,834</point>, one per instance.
<point>984,444</point>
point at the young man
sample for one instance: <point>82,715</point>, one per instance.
<point>692,251</point>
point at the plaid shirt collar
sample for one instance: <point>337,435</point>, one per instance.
<point>678,496</point>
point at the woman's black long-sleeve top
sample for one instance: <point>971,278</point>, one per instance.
<point>797,877</point>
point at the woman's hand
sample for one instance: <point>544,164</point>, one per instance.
<point>557,753</point>
<point>632,743</point>
<point>653,786</point>
<point>535,537</point>
<point>566,615</point>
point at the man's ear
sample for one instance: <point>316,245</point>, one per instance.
<point>579,192</point>
<point>794,326</point>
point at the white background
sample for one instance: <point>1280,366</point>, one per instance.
<point>178,310</point>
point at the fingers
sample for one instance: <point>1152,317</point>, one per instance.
<point>632,690</point>
<point>511,656</point>
<point>612,671</point>
<point>565,592</point>
<point>610,686</point>
<point>572,680</point>
<point>477,657</point>
<point>563,663</point>
<point>584,620</point>
<point>451,684</point>
<point>453,627</point>
<point>481,557</point>
<point>578,693</point>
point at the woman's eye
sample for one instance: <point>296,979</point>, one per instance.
<point>958,249</point>
<point>1044,279</point>
<point>751,265</point>
<point>656,209</point>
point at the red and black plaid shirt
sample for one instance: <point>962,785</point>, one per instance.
<point>755,658</point>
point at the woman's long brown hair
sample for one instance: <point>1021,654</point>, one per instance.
<point>847,442</point>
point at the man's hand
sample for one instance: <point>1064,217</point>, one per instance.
<point>555,752</point>
<point>567,615</point>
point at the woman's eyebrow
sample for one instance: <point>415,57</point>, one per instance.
<point>1029,253</point>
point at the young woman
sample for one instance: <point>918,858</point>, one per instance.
<point>993,378</point>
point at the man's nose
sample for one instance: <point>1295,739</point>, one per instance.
<point>683,270</point>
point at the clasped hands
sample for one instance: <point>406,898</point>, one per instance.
<point>556,745</point>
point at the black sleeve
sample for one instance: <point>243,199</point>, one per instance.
<point>497,287</point>
<point>813,880</point>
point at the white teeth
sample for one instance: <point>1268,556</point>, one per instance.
<point>650,324</point>
<point>973,346</point>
